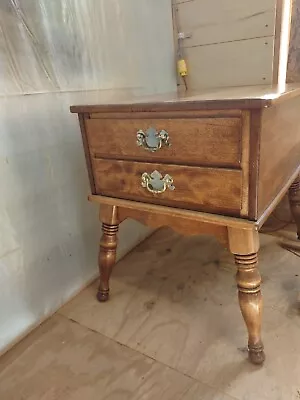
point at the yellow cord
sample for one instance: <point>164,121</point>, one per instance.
<point>182,68</point>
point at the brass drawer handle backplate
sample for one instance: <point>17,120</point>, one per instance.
<point>152,140</point>
<point>155,183</point>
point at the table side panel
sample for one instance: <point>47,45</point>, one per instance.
<point>279,150</point>
<point>82,118</point>
<point>254,149</point>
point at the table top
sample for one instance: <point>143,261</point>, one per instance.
<point>243,97</point>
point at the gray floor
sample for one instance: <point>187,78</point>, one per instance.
<point>172,330</point>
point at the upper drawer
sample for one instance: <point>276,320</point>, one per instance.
<point>191,141</point>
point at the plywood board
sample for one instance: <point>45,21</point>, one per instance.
<point>293,70</point>
<point>227,20</point>
<point>174,299</point>
<point>63,360</point>
<point>245,62</point>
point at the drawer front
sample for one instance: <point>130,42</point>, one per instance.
<point>190,141</point>
<point>196,188</point>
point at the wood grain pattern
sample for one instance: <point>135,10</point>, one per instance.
<point>233,64</point>
<point>293,68</point>
<point>181,289</point>
<point>175,301</point>
<point>114,113</point>
<point>178,223</point>
<point>82,120</point>
<point>248,282</point>
<point>196,216</point>
<point>184,103</point>
<point>277,199</point>
<point>243,240</point>
<point>226,21</point>
<point>108,214</point>
<point>215,190</point>
<point>63,360</point>
<point>107,249</point>
<point>193,141</point>
<point>279,149</point>
<point>277,41</point>
<point>254,148</point>
<point>245,162</point>
<point>226,101</point>
<point>244,244</point>
<point>106,258</point>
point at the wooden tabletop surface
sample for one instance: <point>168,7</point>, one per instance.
<point>231,97</point>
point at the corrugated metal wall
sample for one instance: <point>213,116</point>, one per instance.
<point>48,231</point>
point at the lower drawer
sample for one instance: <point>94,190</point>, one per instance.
<point>215,190</point>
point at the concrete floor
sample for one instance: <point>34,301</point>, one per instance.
<point>172,330</point>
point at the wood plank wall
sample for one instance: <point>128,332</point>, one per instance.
<point>293,71</point>
<point>293,75</point>
<point>232,42</point>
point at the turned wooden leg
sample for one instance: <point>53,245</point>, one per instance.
<point>294,198</point>
<point>107,258</point>
<point>244,245</point>
<point>250,299</point>
<point>108,247</point>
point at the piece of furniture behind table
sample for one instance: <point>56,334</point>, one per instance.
<point>214,164</point>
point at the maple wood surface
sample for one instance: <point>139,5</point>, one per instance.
<point>195,187</point>
<point>192,141</point>
<point>279,154</point>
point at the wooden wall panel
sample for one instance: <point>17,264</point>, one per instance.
<point>293,71</point>
<point>247,62</point>
<point>231,42</point>
<point>218,21</point>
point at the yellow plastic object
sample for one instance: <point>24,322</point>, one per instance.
<point>182,68</point>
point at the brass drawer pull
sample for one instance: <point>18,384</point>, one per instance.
<point>152,140</point>
<point>155,183</point>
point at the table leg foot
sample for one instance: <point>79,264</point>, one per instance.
<point>102,295</point>
<point>256,355</point>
